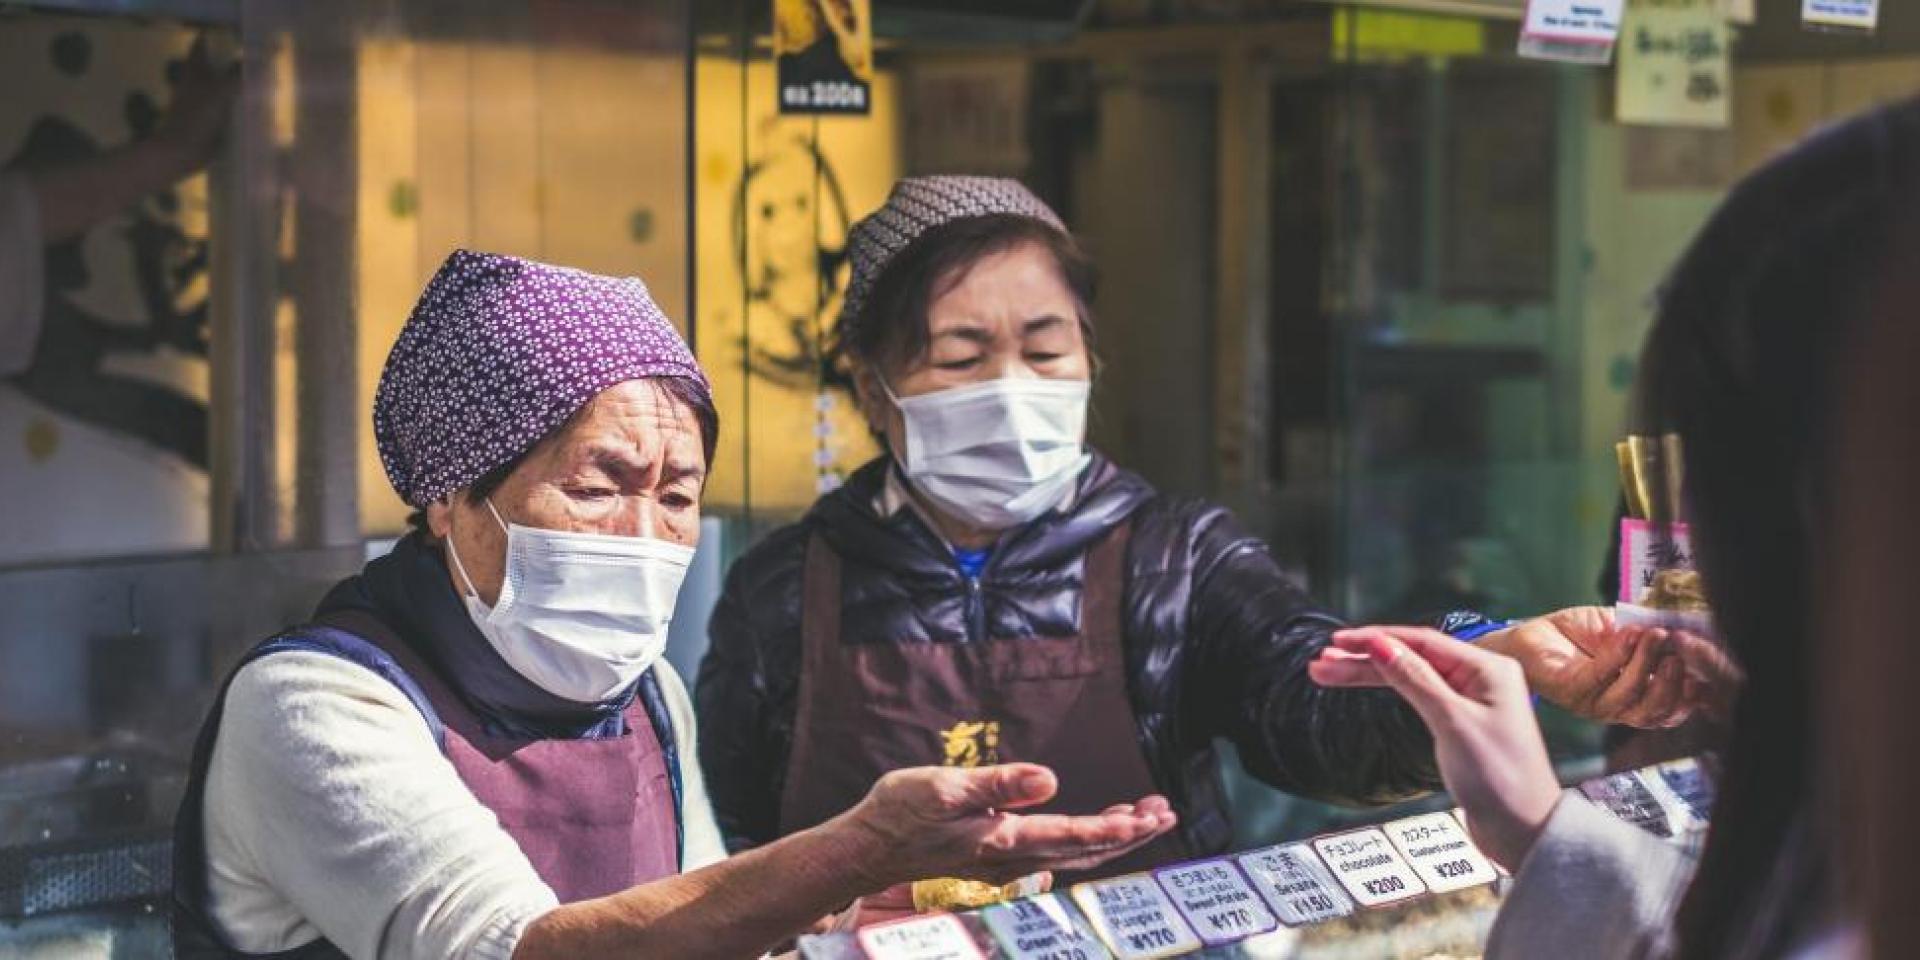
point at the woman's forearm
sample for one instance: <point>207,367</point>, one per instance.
<point>739,907</point>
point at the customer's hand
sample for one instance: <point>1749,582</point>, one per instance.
<point>949,822</point>
<point>1581,660</point>
<point>1489,748</point>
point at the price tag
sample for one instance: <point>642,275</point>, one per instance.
<point>1690,785</point>
<point>1460,817</point>
<point>1578,31</point>
<point>1296,884</point>
<point>1135,918</point>
<point>1440,852</point>
<point>1626,797</point>
<point>937,937</point>
<point>1844,14</point>
<point>1368,866</point>
<point>1217,901</point>
<point>1042,928</point>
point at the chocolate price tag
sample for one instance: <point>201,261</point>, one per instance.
<point>1217,901</point>
<point>1369,867</point>
<point>1041,928</point>
<point>1440,852</point>
<point>1296,884</point>
<point>937,937</point>
<point>1135,918</point>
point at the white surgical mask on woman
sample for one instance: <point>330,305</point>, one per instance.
<point>580,615</point>
<point>997,453</point>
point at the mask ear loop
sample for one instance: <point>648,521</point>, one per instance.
<point>454,554</point>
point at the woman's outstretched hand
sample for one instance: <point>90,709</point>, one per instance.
<point>1485,738</point>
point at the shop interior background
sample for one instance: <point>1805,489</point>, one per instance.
<point>1368,277</point>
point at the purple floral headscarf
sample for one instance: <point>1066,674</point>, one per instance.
<point>498,353</point>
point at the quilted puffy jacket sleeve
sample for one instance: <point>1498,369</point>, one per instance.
<point>1252,635</point>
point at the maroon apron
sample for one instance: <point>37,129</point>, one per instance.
<point>594,816</point>
<point>869,708</point>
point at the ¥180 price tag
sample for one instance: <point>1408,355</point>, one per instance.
<point>1296,884</point>
<point>1440,852</point>
<point>937,937</point>
<point>1217,901</point>
<point>1135,918</point>
<point>1366,863</point>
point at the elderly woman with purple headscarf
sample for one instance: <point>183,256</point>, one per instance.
<point>475,749</point>
<point>991,588</point>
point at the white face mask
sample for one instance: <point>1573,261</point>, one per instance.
<point>999,453</point>
<point>581,615</point>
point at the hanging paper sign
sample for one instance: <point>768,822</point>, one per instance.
<point>1042,928</point>
<point>937,937</point>
<point>1296,884</point>
<point>1135,918</point>
<point>823,55</point>
<point>1369,867</point>
<point>1675,66</point>
<point>1840,14</point>
<point>1646,548</point>
<point>1440,852</point>
<point>1217,901</point>
<point>1577,31</point>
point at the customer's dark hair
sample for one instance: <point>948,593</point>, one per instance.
<point>686,391</point>
<point>1741,363</point>
<point>892,324</point>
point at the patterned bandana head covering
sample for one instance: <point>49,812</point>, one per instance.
<point>918,204</point>
<point>498,353</point>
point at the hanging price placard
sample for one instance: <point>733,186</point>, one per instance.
<point>1840,14</point>
<point>1296,884</point>
<point>1135,918</point>
<point>1366,863</point>
<point>1217,901</point>
<point>1577,31</point>
<point>1440,852</point>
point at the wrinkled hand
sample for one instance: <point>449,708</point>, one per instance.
<point>203,97</point>
<point>1579,659</point>
<point>949,822</point>
<point>1489,748</point>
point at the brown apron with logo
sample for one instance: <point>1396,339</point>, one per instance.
<point>866,709</point>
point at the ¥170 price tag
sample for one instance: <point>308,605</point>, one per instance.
<point>1440,852</point>
<point>1296,884</point>
<point>1217,901</point>
<point>937,937</point>
<point>1042,928</point>
<point>1367,864</point>
<point>1135,918</point>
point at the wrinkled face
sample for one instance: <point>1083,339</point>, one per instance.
<point>1010,315</point>
<point>629,463</point>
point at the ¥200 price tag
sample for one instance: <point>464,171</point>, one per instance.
<point>1440,852</point>
<point>1135,918</point>
<point>1296,884</point>
<point>1217,901</point>
<point>1369,867</point>
<point>937,937</point>
<point>1041,928</point>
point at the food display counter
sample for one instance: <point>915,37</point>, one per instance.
<point>1410,888</point>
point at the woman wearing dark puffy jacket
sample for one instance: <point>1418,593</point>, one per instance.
<point>991,589</point>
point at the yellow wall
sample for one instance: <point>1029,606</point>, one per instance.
<point>568,155</point>
<point>766,211</point>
